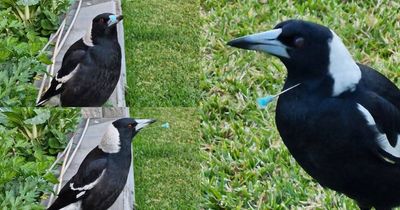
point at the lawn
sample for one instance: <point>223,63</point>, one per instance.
<point>162,52</point>
<point>246,165</point>
<point>167,160</point>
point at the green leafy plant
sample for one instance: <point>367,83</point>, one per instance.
<point>40,15</point>
<point>21,39</point>
<point>44,128</point>
<point>24,178</point>
<point>15,82</point>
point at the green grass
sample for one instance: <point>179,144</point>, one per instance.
<point>167,161</point>
<point>162,52</point>
<point>246,164</point>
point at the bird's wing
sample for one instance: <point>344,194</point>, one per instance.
<point>383,119</point>
<point>89,174</point>
<point>90,170</point>
<point>376,82</point>
<point>68,69</point>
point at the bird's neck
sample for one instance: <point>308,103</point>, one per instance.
<point>126,143</point>
<point>321,86</point>
<point>333,82</point>
<point>106,41</point>
<point>109,37</point>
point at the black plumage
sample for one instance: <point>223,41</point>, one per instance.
<point>342,123</point>
<point>102,175</point>
<point>90,68</point>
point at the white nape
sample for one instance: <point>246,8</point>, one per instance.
<point>67,77</point>
<point>381,139</point>
<point>343,69</point>
<point>73,206</point>
<point>110,143</point>
<point>87,39</point>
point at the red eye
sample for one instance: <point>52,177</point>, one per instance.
<point>299,42</point>
<point>130,126</point>
<point>101,20</point>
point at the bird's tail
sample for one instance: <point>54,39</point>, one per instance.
<point>70,206</point>
<point>41,102</point>
<point>52,91</point>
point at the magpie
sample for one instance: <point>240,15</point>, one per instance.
<point>342,122</point>
<point>102,175</point>
<point>90,68</point>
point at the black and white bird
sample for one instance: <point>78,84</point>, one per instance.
<point>342,123</point>
<point>90,68</point>
<point>103,173</point>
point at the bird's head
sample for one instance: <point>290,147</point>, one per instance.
<point>130,126</point>
<point>121,132</point>
<point>103,25</point>
<point>307,49</point>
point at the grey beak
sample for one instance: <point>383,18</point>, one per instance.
<point>114,19</point>
<point>265,42</point>
<point>141,123</point>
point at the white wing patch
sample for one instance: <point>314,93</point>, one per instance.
<point>80,194</point>
<point>343,69</point>
<point>67,77</point>
<point>382,139</point>
<point>110,143</point>
<point>59,86</point>
<point>88,186</point>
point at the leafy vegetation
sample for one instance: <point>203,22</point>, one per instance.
<point>28,139</point>
<point>41,16</point>
<point>24,27</point>
<point>246,164</point>
<point>167,161</point>
<point>162,52</point>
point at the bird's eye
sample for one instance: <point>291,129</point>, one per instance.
<point>298,42</point>
<point>101,20</point>
<point>130,126</point>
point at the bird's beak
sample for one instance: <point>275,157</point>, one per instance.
<point>114,19</point>
<point>265,42</point>
<point>141,123</point>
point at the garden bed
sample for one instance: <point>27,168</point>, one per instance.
<point>30,139</point>
<point>25,27</point>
